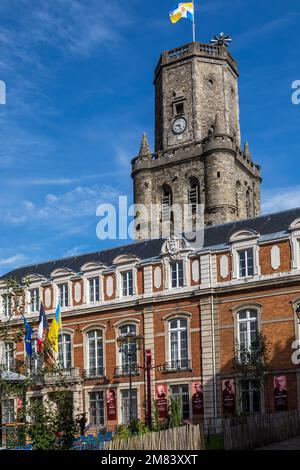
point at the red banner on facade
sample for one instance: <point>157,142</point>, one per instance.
<point>280,392</point>
<point>161,400</point>
<point>111,404</point>
<point>197,398</point>
<point>228,392</point>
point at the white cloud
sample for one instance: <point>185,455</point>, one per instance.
<point>279,199</point>
<point>12,261</point>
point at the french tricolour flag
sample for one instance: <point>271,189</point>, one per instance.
<point>43,324</point>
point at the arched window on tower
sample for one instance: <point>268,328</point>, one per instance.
<point>238,198</point>
<point>166,203</point>
<point>248,204</point>
<point>194,195</point>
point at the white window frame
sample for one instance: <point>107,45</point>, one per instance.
<point>87,350</point>
<point>247,320</point>
<point>242,241</point>
<point>126,389</point>
<point>37,300</point>
<point>64,352</point>
<point>7,304</point>
<point>9,362</point>
<point>93,280</point>
<point>176,264</point>
<point>121,354</point>
<point>251,389</point>
<point>179,330</point>
<point>295,245</point>
<point>247,258</point>
<point>103,392</point>
<point>63,284</point>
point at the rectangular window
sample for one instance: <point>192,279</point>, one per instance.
<point>179,108</point>
<point>34,300</point>
<point>125,403</point>
<point>250,396</point>
<point>177,274</point>
<point>97,408</point>
<point>8,412</point>
<point>7,305</point>
<point>247,322</point>
<point>181,392</point>
<point>127,283</point>
<point>63,290</point>
<point>94,289</point>
<point>9,356</point>
<point>246,262</point>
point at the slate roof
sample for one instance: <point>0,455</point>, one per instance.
<point>266,225</point>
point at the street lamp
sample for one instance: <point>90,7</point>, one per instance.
<point>129,345</point>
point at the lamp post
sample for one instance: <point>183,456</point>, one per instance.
<point>129,345</point>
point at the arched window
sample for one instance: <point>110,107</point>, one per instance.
<point>167,201</point>
<point>194,195</point>
<point>247,328</point>
<point>248,204</point>
<point>95,353</point>
<point>124,330</point>
<point>238,198</point>
<point>65,351</point>
<point>178,344</point>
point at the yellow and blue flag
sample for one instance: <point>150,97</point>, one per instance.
<point>54,329</point>
<point>183,10</point>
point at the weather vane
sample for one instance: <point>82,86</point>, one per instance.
<point>222,40</point>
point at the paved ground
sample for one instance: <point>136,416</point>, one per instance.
<point>291,444</point>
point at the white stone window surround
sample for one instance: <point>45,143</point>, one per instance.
<point>92,270</point>
<point>125,386</point>
<point>117,326</point>
<point>243,240</point>
<point>97,326</point>
<point>71,333</point>
<point>167,271</point>
<point>62,276</point>
<point>244,307</point>
<point>295,304</point>
<point>295,244</point>
<point>87,389</point>
<point>175,316</point>
<point>119,277</point>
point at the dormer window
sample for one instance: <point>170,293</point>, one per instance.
<point>295,243</point>
<point>127,283</point>
<point>177,274</point>
<point>245,254</point>
<point>34,298</point>
<point>94,289</point>
<point>63,291</point>
<point>246,262</point>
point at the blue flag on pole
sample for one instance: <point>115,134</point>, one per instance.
<point>28,340</point>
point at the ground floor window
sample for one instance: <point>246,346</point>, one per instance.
<point>97,408</point>
<point>125,405</point>
<point>8,411</point>
<point>182,392</point>
<point>250,396</point>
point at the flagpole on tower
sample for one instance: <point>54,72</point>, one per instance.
<point>194,24</point>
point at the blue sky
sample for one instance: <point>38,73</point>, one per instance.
<point>79,95</point>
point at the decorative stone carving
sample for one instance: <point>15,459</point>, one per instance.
<point>110,286</point>
<point>195,271</point>
<point>224,266</point>
<point>275,257</point>
<point>48,292</point>
<point>77,292</point>
<point>157,277</point>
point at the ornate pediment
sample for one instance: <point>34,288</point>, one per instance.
<point>174,246</point>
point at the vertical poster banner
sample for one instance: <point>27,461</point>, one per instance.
<point>280,392</point>
<point>111,404</point>
<point>197,398</point>
<point>161,400</point>
<point>228,393</point>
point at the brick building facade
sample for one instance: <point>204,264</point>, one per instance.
<point>192,305</point>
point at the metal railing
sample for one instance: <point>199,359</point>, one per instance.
<point>124,371</point>
<point>175,366</point>
<point>94,372</point>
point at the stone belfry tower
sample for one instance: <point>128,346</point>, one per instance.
<point>198,157</point>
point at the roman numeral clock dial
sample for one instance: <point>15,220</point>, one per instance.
<point>179,125</point>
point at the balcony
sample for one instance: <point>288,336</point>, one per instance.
<point>123,371</point>
<point>94,373</point>
<point>176,366</point>
<point>71,375</point>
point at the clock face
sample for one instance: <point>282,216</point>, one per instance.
<point>179,125</point>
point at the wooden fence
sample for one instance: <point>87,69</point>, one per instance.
<point>184,438</point>
<point>256,431</point>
